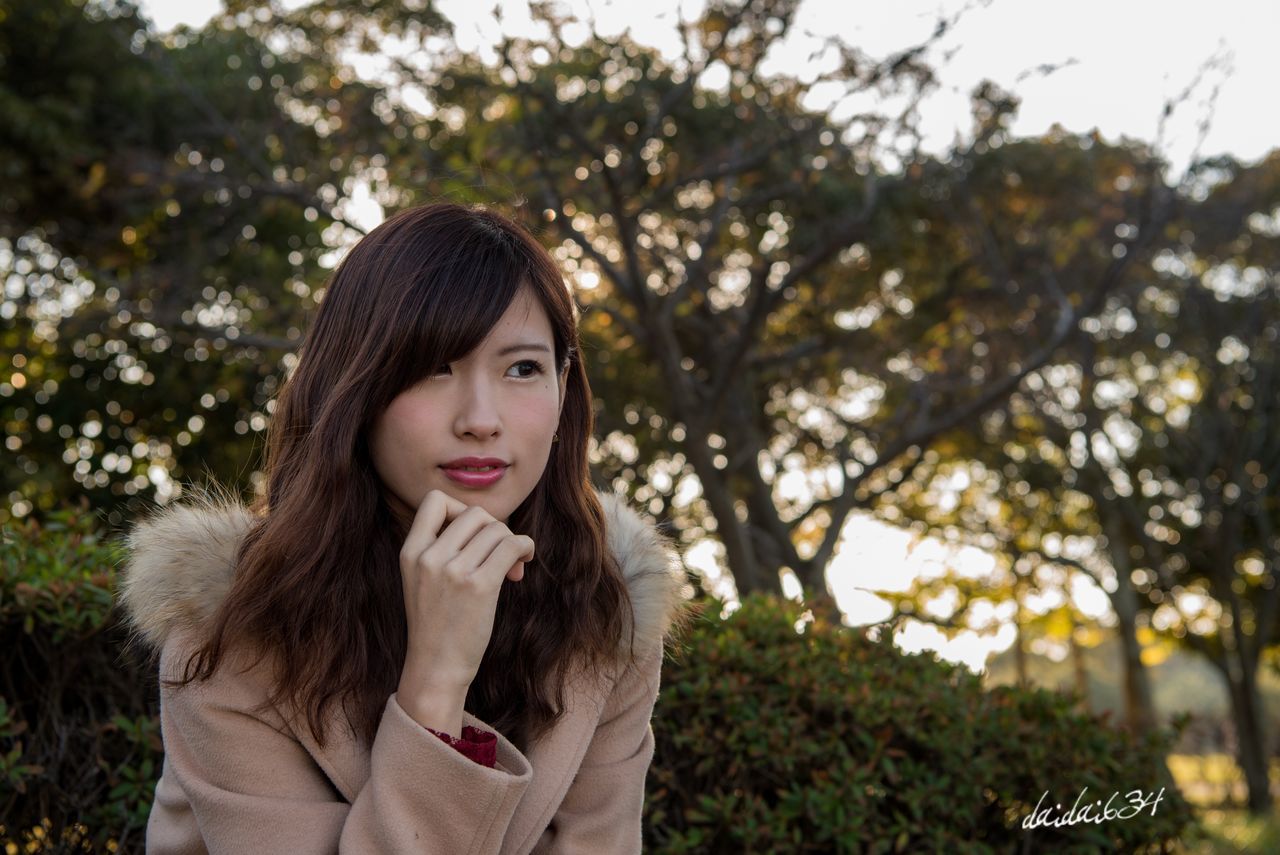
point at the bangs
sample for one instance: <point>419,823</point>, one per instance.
<point>450,305</point>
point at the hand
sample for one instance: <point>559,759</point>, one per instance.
<point>451,581</point>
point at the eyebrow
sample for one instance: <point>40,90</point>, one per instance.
<point>512,348</point>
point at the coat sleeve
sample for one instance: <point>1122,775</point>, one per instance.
<point>602,810</point>
<point>253,787</point>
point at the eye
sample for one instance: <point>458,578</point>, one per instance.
<point>538,367</point>
<point>534,368</point>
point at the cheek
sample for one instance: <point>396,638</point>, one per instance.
<point>393,432</point>
<point>544,410</point>
<point>408,415</point>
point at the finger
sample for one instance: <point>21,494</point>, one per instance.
<point>475,551</point>
<point>517,548</point>
<point>459,532</point>
<point>436,509</point>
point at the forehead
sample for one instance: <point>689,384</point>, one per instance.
<point>524,326</point>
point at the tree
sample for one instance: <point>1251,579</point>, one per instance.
<point>745,256</point>
<point>166,228</point>
<point>1146,457</point>
<point>1184,445</point>
<point>771,300</point>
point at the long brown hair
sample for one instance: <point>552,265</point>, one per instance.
<point>317,580</point>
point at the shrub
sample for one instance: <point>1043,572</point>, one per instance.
<point>771,740</point>
<point>768,739</point>
<point>79,744</point>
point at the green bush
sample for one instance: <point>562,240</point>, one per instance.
<point>774,740</point>
<point>80,746</point>
<point>768,739</point>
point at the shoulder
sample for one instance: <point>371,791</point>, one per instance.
<point>239,693</point>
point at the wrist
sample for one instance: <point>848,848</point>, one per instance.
<point>439,709</point>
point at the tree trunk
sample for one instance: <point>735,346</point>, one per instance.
<point>1239,665</point>
<point>1077,663</point>
<point>1138,708</point>
<point>1139,711</point>
<point>1020,638</point>
<point>1251,739</point>
<point>748,574</point>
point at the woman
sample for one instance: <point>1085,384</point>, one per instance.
<point>430,634</point>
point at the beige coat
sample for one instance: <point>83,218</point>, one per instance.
<point>236,781</point>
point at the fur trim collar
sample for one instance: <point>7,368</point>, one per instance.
<point>181,558</point>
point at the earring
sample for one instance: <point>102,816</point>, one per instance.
<point>555,437</point>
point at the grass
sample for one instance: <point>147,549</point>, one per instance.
<point>1234,832</point>
<point>1215,785</point>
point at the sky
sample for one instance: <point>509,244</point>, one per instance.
<point>1125,57</point>
<point>1119,62</point>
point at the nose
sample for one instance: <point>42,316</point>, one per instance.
<point>478,410</point>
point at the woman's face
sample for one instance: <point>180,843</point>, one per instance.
<point>501,401</point>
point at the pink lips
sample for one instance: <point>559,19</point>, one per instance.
<point>475,479</point>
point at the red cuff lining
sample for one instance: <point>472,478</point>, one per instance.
<point>479,745</point>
